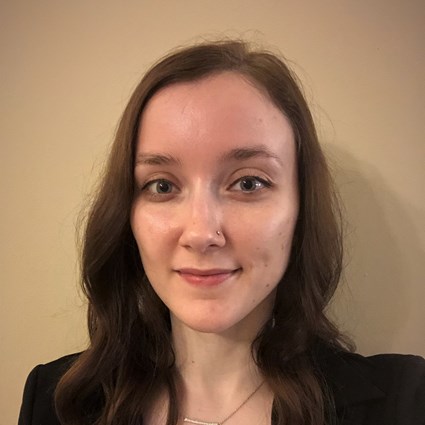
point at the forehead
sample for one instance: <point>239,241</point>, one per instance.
<point>218,111</point>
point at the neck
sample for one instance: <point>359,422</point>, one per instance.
<point>209,362</point>
<point>218,374</point>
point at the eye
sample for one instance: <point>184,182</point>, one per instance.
<point>159,187</point>
<point>250,184</point>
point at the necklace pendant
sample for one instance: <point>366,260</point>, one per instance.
<point>194,421</point>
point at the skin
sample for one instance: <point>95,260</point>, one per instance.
<point>215,155</point>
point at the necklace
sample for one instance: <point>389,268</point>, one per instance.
<point>198,422</point>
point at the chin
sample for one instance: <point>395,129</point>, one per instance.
<point>213,323</point>
<point>208,326</point>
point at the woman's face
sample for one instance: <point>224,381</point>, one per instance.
<point>217,201</point>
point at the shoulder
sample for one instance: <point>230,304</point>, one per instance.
<point>384,388</point>
<point>37,402</point>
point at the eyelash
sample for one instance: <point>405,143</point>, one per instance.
<point>260,183</point>
<point>145,188</point>
<point>258,180</point>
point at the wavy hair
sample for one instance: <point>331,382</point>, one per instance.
<point>130,354</point>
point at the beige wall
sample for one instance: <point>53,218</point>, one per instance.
<point>67,69</point>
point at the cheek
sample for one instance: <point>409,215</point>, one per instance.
<point>272,243</point>
<point>150,230</point>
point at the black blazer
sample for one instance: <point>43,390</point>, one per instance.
<point>384,389</point>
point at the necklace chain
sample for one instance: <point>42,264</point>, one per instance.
<point>198,422</point>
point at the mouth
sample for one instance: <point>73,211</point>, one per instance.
<point>210,277</point>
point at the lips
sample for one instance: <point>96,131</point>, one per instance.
<point>210,277</point>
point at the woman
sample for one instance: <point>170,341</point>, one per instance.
<point>211,251</point>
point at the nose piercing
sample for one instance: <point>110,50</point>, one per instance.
<point>218,232</point>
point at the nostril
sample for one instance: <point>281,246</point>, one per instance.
<point>202,239</point>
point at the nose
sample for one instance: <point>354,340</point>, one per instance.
<point>202,224</point>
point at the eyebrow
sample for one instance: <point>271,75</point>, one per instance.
<point>237,154</point>
<point>256,151</point>
<point>156,159</point>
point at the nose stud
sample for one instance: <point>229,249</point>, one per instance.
<point>218,232</point>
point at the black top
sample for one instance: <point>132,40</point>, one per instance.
<point>386,389</point>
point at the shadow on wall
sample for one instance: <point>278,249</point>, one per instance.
<point>377,293</point>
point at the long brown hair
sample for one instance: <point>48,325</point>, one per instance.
<point>130,354</point>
